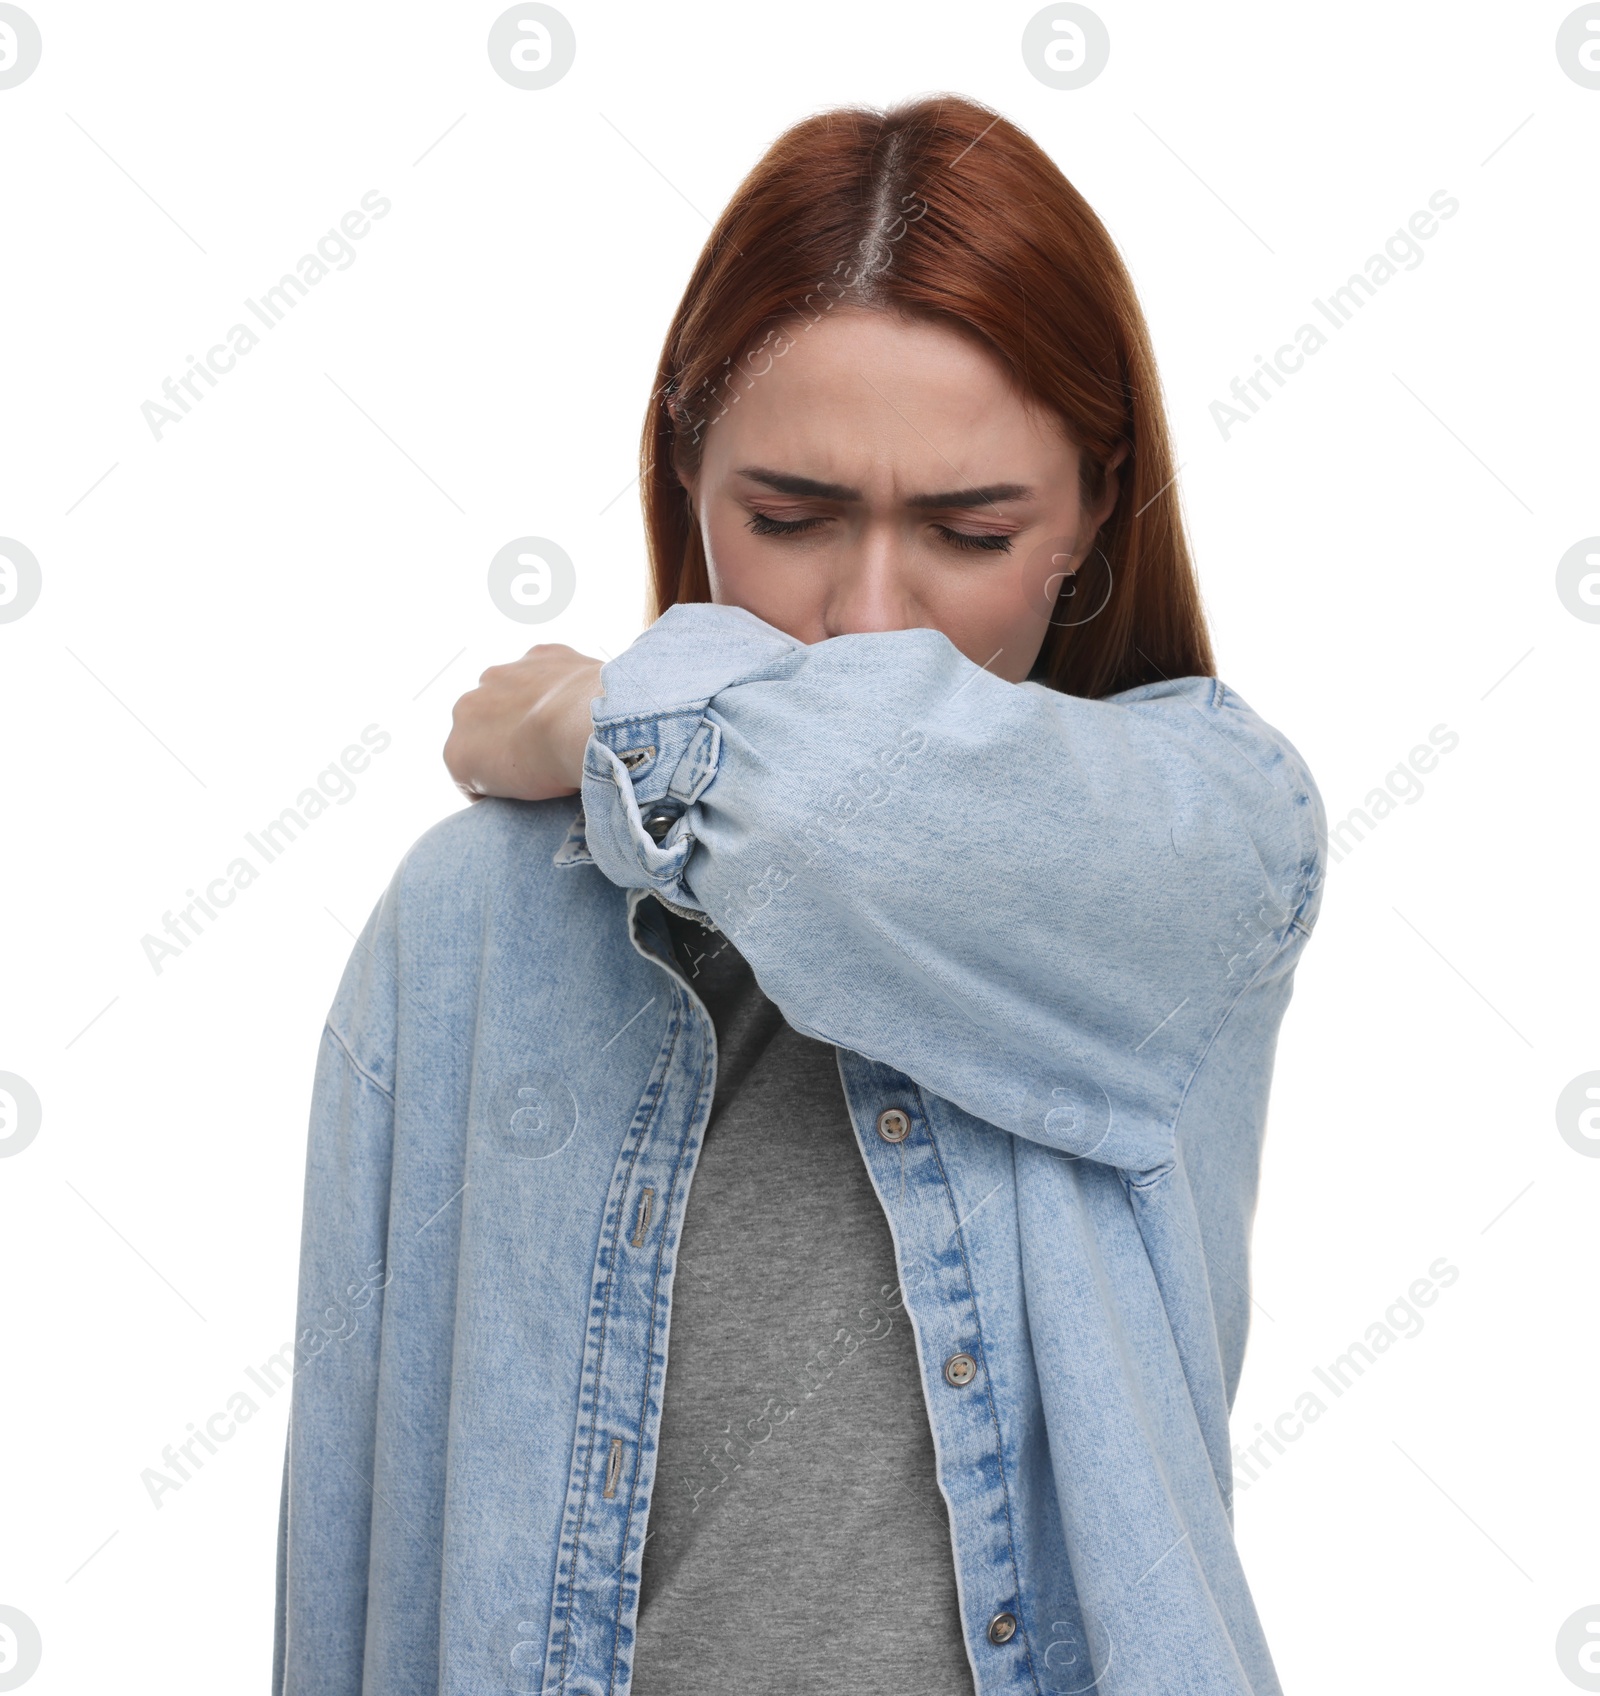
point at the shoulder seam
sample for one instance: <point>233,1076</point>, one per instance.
<point>1294,782</point>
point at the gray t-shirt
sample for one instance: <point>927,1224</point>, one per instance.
<point>798,1539</point>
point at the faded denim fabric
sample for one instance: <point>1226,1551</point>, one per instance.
<point>1058,934</point>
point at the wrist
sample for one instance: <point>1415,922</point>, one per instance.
<point>576,720</point>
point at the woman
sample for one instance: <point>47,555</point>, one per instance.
<point>934,907</point>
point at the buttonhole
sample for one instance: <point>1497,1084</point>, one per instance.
<point>642,1224</point>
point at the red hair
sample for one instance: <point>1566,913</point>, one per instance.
<point>941,210</point>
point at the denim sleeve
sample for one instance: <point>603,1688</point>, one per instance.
<point>326,1507</point>
<point>1041,907</point>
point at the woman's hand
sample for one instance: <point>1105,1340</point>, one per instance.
<point>521,733</point>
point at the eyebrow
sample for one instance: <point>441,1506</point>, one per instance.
<point>787,483</point>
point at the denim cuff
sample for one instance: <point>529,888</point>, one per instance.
<point>654,751</point>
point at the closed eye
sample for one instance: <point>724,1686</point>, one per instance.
<point>761,524</point>
<point>987,543</point>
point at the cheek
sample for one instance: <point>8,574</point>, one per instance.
<point>1063,588</point>
<point>1001,612</point>
<point>745,571</point>
<point>1044,571</point>
<point>728,559</point>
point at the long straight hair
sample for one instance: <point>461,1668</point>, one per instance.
<point>941,210</point>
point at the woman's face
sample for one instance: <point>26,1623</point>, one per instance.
<point>885,475</point>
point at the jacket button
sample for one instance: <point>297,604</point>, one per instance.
<point>893,1125</point>
<point>1002,1628</point>
<point>961,1369</point>
<point>658,821</point>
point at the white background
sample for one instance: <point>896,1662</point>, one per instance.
<point>225,609</point>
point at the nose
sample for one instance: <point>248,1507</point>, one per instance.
<point>871,586</point>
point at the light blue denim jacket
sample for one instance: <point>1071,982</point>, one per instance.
<point>1058,934</point>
